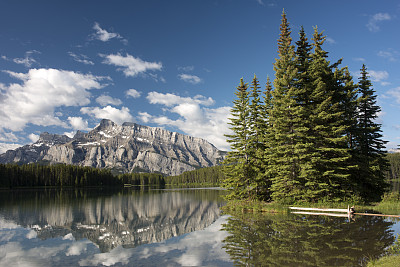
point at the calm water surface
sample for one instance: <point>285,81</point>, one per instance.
<point>172,228</point>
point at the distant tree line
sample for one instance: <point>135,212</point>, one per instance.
<point>310,135</point>
<point>394,169</point>
<point>60,175</point>
<point>30,175</point>
<point>142,179</point>
<point>12,175</point>
<point>210,176</point>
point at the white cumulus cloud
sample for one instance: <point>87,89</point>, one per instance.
<point>133,93</point>
<point>330,40</point>
<point>104,100</point>
<point>7,136</point>
<point>145,117</point>
<point>103,35</point>
<point>186,68</point>
<point>171,99</point>
<point>78,123</point>
<point>33,137</point>
<point>389,54</point>
<point>131,66</point>
<point>189,78</point>
<point>395,93</point>
<point>40,92</point>
<point>372,24</point>
<point>8,146</point>
<point>81,58</point>
<point>195,118</point>
<point>378,76</point>
<point>27,61</point>
<point>116,115</point>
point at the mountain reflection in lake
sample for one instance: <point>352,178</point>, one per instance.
<point>173,228</point>
<point>72,227</point>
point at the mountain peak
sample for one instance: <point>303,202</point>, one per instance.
<point>48,138</point>
<point>125,148</point>
<point>106,123</point>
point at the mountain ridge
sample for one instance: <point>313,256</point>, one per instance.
<point>129,147</point>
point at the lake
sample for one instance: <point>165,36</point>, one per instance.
<point>174,227</point>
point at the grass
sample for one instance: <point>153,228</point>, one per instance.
<point>392,258</point>
<point>255,206</point>
<point>390,204</point>
<point>386,261</point>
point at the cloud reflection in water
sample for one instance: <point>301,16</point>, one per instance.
<point>199,248</point>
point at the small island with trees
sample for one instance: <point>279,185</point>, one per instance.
<point>310,136</point>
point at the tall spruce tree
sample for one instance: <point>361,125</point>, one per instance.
<point>312,138</point>
<point>264,177</point>
<point>286,118</point>
<point>370,150</point>
<point>305,88</point>
<point>331,153</point>
<point>237,168</point>
<point>257,124</point>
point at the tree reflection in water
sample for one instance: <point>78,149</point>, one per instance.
<point>305,240</point>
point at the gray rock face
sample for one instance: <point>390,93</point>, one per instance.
<point>34,152</point>
<point>128,147</point>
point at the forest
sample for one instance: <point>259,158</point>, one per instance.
<point>31,175</point>
<point>61,175</point>
<point>311,135</point>
<point>212,176</point>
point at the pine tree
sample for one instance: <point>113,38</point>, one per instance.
<point>264,177</point>
<point>331,155</point>
<point>257,124</point>
<point>305,89</point>
<point>285,116</point>
<point>370,146</point>
<point>238,173</point>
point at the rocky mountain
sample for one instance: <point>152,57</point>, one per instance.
<point>34,152</point>
<point>126,148</point>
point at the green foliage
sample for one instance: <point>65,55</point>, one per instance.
<point>212,176</point>
<point>142,179</point>
<point>393,173</point>
<point>238,176</point>
<point>395,248</point>
<point>246,205</point>
<point>369,152</point>
<point>391,197</point>
<point>313,138</point>
<point>60,175</point>
<point>386,261</point>
<point>29,175</point>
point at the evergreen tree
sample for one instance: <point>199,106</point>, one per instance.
<point>286,117</point>
<point>305,87</point>
<point>264,155</point>
<point>312,139</point>
<point>331,155</point>
<point>238,173</point>
<point>370,149</point>
<point>257,125</point>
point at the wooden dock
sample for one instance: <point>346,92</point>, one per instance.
<point>318,209</point>
<point>337,212</point>
<point>323,213</point>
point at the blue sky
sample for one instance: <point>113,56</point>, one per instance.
<point>65,65</point>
